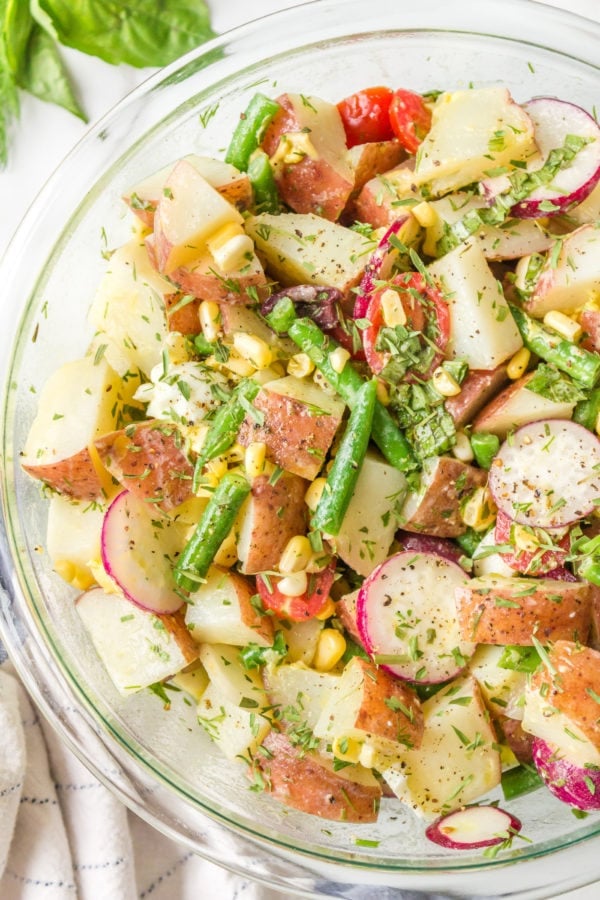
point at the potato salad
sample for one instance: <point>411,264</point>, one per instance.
<point>330,464</point>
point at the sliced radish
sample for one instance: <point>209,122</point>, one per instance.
<point>378,267</point>
<point>535,561</point>
<point>547,474</point>
<point>553,121</point>
<point>406,617</point>
<point>138,550</point>
<point>473,827</point>
<point>577,785</point>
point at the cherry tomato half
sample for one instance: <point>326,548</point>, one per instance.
<point>365,116</point>
<point>410,119</point>
<point>424,307</point>
<point>297,609</point>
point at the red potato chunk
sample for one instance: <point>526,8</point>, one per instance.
<point>493,609</point>
<point>147,460</point>
<point>345,610</point>
<point>368,161</point>
<point>517,405</point>
<point>388,708</point>
<point>296,434</point>
<point>305,782</point>
<point>182,313</point>
<point>572,685</point>
<point>275,512</point>
<point>589,320</point>
<point>477,389</point>
<point>307,146</point>
<point>378,203</point>
<point>435,509</point>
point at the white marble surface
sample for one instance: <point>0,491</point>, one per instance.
<point>44,134</point>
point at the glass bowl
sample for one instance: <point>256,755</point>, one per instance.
<point>159,762</point>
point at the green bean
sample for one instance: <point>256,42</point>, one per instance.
<point>343,475</point>
<point>484,446</point>
<point>318,347</point>
<point>282,315</point>
<point>250,130</point>
<point>212,529</point>
<point>260,173</point>
<point>582,365</point>
<point>469,541</point>
<point>587,411</point>
<point>224,427</point>
<point>518,781</point>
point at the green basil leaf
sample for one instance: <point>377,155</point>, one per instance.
<point>44,74</point>
<point>137,32</point>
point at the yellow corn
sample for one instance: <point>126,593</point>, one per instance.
<point>293,585</point>
<point>300,365</point>
<point>313,493</point>
<point>254,459</point>
<point>479,512</point>
<point>80,578</point>
<point>217,467</point>
<point>226,555</point>
<point>327,612</point>
<point>563,325</point>
<point>383,394</point>
<point>296,555</point>
<point>392,309</point>
<point>517,365</point>
<point>462,449</point>
<point>210,319</point>
<point>425,214</point>
<point>524,539</point>
<point>444,383</point>
<point>238,365</point>
<point>331,646</point>
<point>346,749</point>
<point>338,359</point>
<point>254,349</point>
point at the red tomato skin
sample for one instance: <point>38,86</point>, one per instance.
<point>297,609</point>
<point>415,314</point>
<point>410,119</point>
<point>365,116</point>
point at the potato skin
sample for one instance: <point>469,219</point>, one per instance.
<point>185,318</point>
<point>574,686</point>
<point>477,389</point>
<point>519,741</point>
<point>175,624</point>
<point>279,513</point>
<point>147,460</point>
<point>438,510</point>
<point>494,609</point>
<point>345,610</point>
<point>297,439</point>
<point>302,782</point>
<point>384,700</point>
<point>375,203</point>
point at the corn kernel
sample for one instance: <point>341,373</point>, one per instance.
<point>445,383</point>
<point>479,512</point>
<point>293,585</point>
<point>425,214</point>
<point>226,555</point>
<point>563,325</point>
<point>331,646</point>
<point>338,359</point>
<point>392,309</point>
<point>254,349</point>
<point>382,392</point>
<point>296,555</point>
<point>254,459</point>
<point>238,365</point>
<point>210,319</point>
<point>517,366</point>
<point>234,254</point>
<point>300,365</point>
<point>346,749</point>
<point>313,493</point>
<point>462,449</point>
<point>327,611</point>
<point>217,467</point>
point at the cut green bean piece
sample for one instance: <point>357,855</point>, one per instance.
<point>250,130</point>
<point>282,315</point>
<point>212,529</point>
<point>260,173</point>
<point>582,365</point>
<point>386,434</point>
<point>343,475</point>
<point>224,426</point>
<point>484,446</point>
<point>520,780</point>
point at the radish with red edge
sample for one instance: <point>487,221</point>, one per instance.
<point>554,121</point>
<point>138,551</point>
<point>406,616</point>
<point>473,828</point>
<point>577,785</point>
<point>547,474</point>
<point>377,268</point>
<point>538,561</point>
